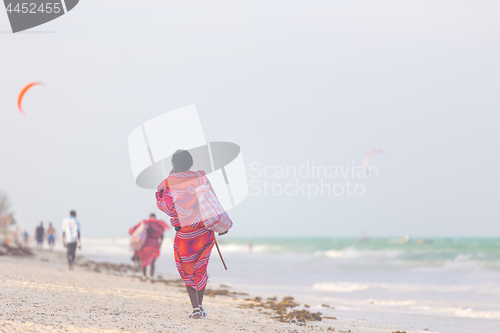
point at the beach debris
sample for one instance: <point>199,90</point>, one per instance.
<point>283,311</point>
<point>11,250</point>
<point>367,158</point>
<point>21,94</point>
<point>222,292</point>
<point>177,282</point>
<point>302,316</point>
<point>100,266</point>
<point>219,292</point>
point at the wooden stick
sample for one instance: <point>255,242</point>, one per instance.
<point>220,254</point>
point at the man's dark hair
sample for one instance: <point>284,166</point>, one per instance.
<point>182,161</point>
<point>152,215</point>
<point>72,213</point>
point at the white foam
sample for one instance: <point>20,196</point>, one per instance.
<point>353,253</point>
<point>462,263</point>
<point>346,287</point>
<point>244,248</point>
<point>469,313</point>
<point>391,302</point>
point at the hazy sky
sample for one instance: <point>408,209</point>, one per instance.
<point>291,82</point>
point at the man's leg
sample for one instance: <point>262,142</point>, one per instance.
<point>68,253</point>
<point>153,269</point>
<point>71,254</point>
<point>193,296</point>
<point>201,293</point>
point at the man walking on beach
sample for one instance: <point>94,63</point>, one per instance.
<point>51,236</point>
<point>39,233</point>
<point>71,236</point>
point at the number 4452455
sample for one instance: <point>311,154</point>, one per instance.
<point>34,8</point>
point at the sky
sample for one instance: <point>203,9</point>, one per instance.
<point>293,83</point>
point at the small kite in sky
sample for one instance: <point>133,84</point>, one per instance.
<point>21,95</point>
<point>367,158</point>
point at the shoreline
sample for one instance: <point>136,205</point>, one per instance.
<point>40,294</point>
<point>278,309</point>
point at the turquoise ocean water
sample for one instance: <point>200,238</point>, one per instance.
<point>438,284</point>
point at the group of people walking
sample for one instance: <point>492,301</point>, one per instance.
<point>41,235</point>
<point>70,237</point>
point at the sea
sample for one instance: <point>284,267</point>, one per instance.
<point>408,284</point>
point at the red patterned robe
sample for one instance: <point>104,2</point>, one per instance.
<point>151,249</point>
<point>193,243</point>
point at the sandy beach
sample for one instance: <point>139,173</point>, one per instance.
<point>39,294</point>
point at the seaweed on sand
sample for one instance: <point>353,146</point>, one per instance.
<point>176,282</point>
<point>281,309</point>
<point>99,266</point>
<point>221,292</point>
